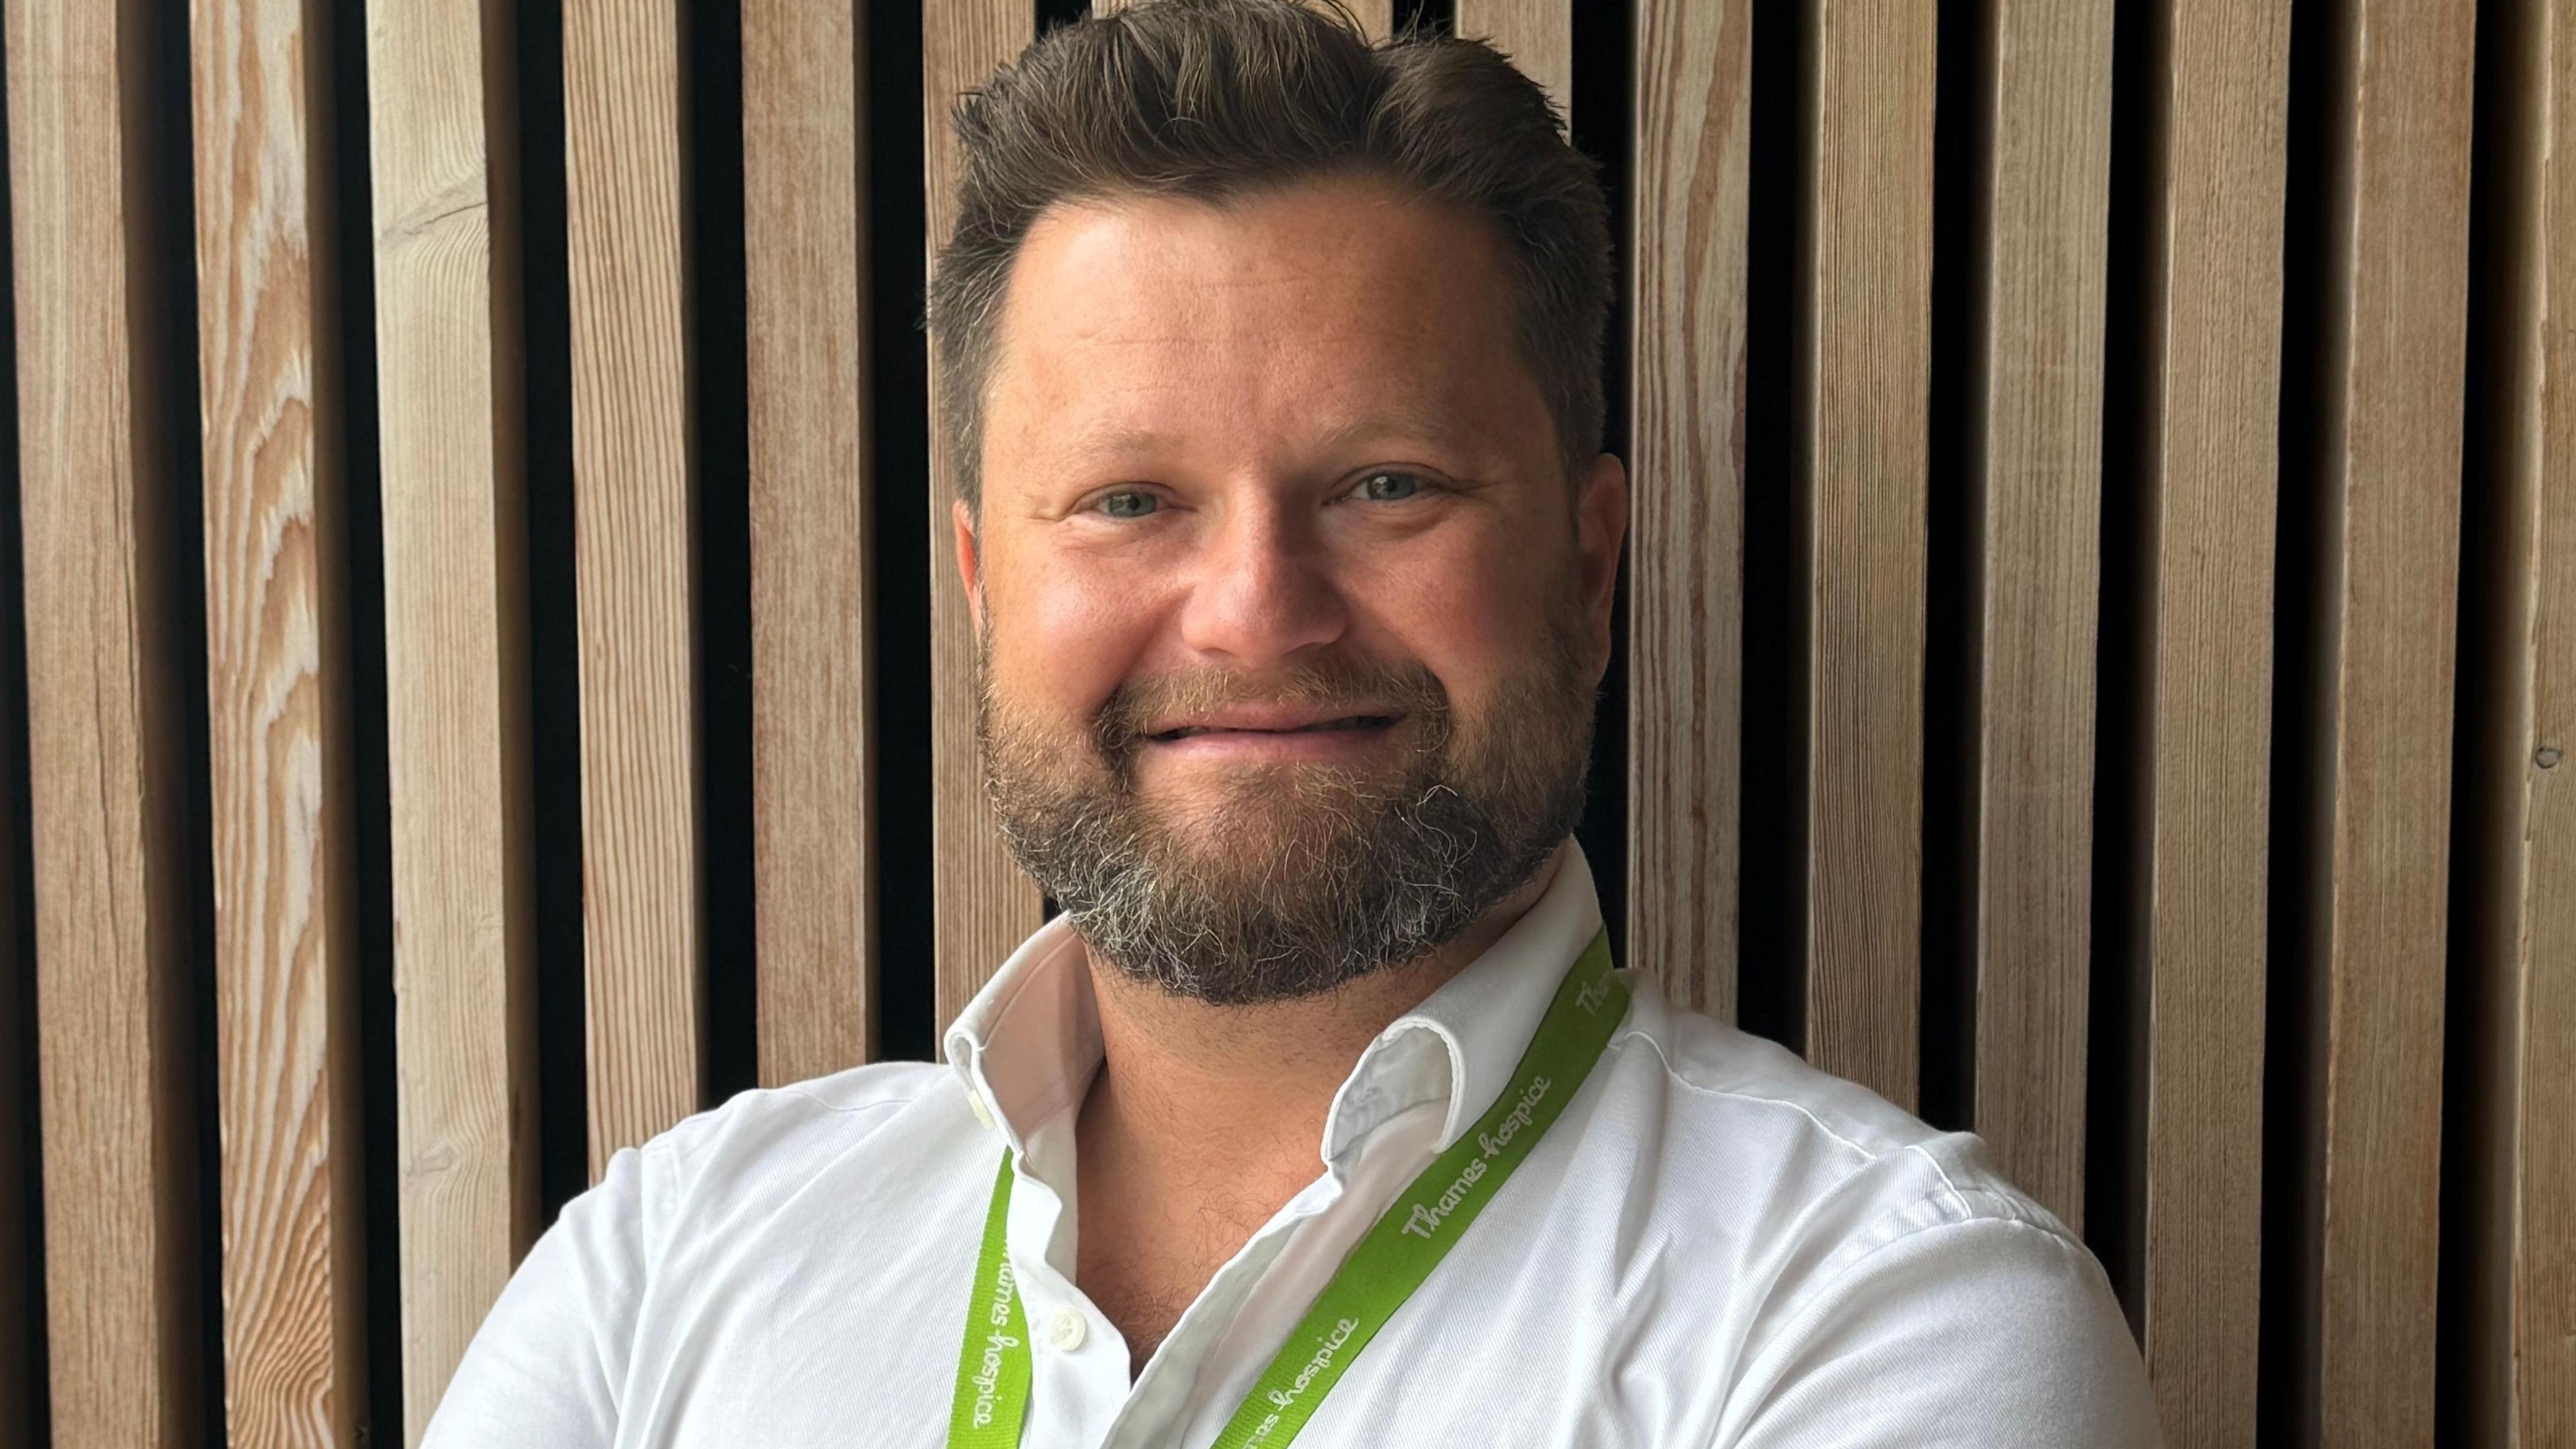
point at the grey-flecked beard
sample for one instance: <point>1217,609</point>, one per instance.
<point>1297,878</point>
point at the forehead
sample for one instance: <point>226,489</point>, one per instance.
<point>1293,314</point>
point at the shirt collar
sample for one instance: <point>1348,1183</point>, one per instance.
<point>1026,1045</point>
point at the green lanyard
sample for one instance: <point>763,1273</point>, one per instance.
<point>1400,1251</point>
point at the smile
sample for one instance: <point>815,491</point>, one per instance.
<point>1351,722</point>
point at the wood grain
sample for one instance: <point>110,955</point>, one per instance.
<point>984,906</point>
<point>1686,496</point>
<point>1538,35</point>
<point>108,799</point>
<point>634,496</point>
<point>805,246</point>
<point>2036,450</point>
<point>2209,424</point>
<point>278,726</point>
<point>2516,1254</point>
<point>2543,1392</point>
<point>443,121</point>
<point>2389,456</point>
<point>1861,398</point>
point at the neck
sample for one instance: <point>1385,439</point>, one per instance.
<point>1187,1089</point>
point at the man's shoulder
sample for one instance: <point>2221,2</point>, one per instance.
<point>1847,1232</point>
<point>768,1144</point>
<point>1817,1135</point>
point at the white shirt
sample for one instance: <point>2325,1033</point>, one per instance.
<point>1715,1245</point>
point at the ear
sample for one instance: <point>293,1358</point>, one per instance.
<point>1600,530</point>
<point>970,569</point>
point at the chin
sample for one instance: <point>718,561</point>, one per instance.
<point>1271,813</point>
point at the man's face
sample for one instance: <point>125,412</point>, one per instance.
<point>1290,620</point>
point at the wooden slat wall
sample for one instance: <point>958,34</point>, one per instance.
<point>2118,283</point>
<point>2539,760</point>
<point>985,906</point>
<point>2516,1273</point>
<point>1863,376</point>
<point>2388,454</point>
<point>2210,383</point>
<point>635,499</point>
<point>2534,916</point>
<point>2036,446</point>
<point>114,924</point>
<point>1686,495</point>
<point>278,724</point>
<point>442,96</point>
<point>805,243</point>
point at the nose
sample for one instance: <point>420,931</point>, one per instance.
<point>1261,589</point>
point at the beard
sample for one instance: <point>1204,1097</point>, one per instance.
<point>1285,880</point>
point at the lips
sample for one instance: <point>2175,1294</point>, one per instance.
<point>1341,722</point>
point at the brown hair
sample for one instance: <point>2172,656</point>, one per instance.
<point>1211,99</point>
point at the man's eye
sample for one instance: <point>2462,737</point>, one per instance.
<point>1130,503</point>
<point>1387,487</point>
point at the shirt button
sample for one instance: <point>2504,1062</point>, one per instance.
<point>1065,1330</point>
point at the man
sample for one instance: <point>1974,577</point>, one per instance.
<point>1272,365</point>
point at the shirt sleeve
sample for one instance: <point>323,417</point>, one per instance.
<point>547,1369</point>
<point>1991,1333</point>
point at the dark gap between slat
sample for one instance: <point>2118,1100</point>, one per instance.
<point>2490,745</point>
<point>899,523</point>
<point>1440,17</point>
<point>368,816</point>
<point>554,635</point>
<point>24,1411</point>
<point>1601,98</point>
<point>2315,326</point>
<point>1771,927</point>
<point>161,273</point>
<point>2138,279</point>
<point>719,352</point>
<point>1954,603</point>
<point>1056,14</point>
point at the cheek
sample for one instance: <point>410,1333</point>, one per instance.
<point>1472,613</point>
<point>1063,636</point>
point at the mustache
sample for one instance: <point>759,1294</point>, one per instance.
<point>1337,686</point>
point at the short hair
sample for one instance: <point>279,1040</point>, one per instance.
<point>1215,99</point>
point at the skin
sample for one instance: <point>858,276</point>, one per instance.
<point>1242,437</point>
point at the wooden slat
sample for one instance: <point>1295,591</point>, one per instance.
<point>634,487</point>
<point>805,247</point>
<point>441,95</point>
<point>1864,334</point>
<point>1539,37</point>
<point>277,727</point>
<point>107,792</point>
<point>1686,498</point>
<point>984,907</point>
<point>2389,454</point>
<point>2037,449</point>
<point>2517,1252</point>
<point>2543,1389</point>
<point>2212,373</point>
